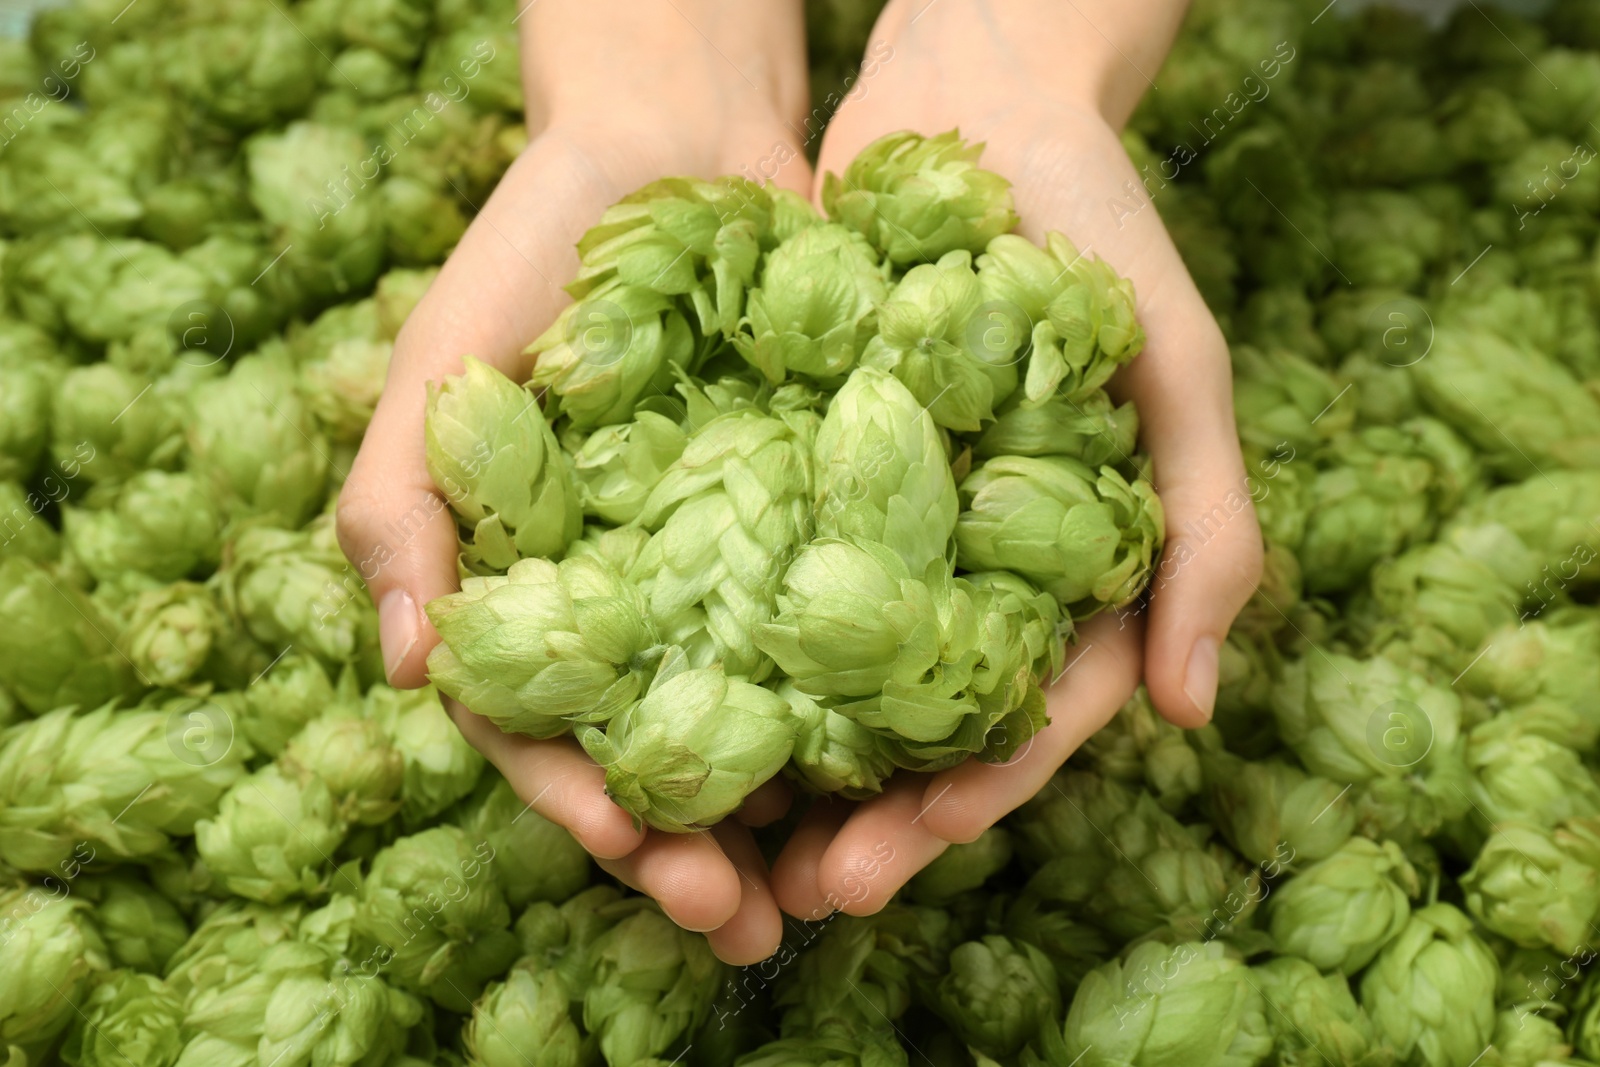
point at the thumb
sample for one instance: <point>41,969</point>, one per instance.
<point>1212,562</point>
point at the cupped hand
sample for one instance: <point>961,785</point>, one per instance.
<point>620,93</point>
<point>1046,89</point>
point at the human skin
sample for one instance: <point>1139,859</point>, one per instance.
<point>621,92</point>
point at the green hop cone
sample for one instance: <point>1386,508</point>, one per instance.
<point>1038,917</point>
<point>832,752</point>
<point>650,984</point>
<point>545,644</point>
<point>121,784</point>
<point>535,859</point>
<point>432,906</point>
<point>1090,540</point>
<point>1189,1003</point>
<point>23,530</point>
<point>1523,769</point>
<point>681,237</point>
<point>813,311</point>
<point>916,198</point>
<point>529,1014</point>
<point>1537,886</point>
<point>282,699</point>
<point>726,518</point>
<point>51,948</point>
<point>1274,813</point>
<point>1553,516</point>
<point>169,632</point>
<point>617,466</point>
<point>256,445</point>
<point>693,748</point>
<point>1075,313</point>
<point>142,928</point>
<point>493,455</point>
<point>1543,660</point>
<point>1314,1018</point>
<point>1282,399</point>
<point>1353,720</point>
<point>931,335</point>
<point>54,648</point>
<point>27,378</point>
<point>1338,913</point>
<point>828,1050</point>
<point>882,472</point>
<point>916,653</point>
<point>1430,992</point>
<point>441,767</point>
<point>961,868</point>
<point>272,836</point>
<point>163,525</point>
<point>998,994</point>
<point>128,1018</point>
<point>350,753</point>
<point>1583,1026</point>
<point>294,588</point>
<point>1092,430</point>
<point>612,349</point>
<point>346,362</point>
<point>1522,1039</point>
<point>115,423</point>
<point>1139,746</point>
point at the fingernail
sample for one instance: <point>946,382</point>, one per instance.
<point>1200,680</point>
<point>397,629</point>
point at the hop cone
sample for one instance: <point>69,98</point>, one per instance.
<point>1074,309</point>
<point>495,458</point>
<point>1090,540</point>
<point>256,445</point>
<point>961,868</point>
<point>344,360</point>
<point>273,836</point>
<point>169,632</point>
<point>1554,516</point>
<point>1338,913</point>
<point>163,525</point>
<point>1583,1027</point>
<point>54,648</point>
<point>696,240</point>
<point>120,782</point>
<point>51,948</point>
<point>1430,992</point>
<point>1274,813</point>
<point>693,748</point>
<point>544,644</point>
<point>128,1018</point>
<point>998,994</point>
<point>23,530</point>
<point>726,518</point>
<point>1038,917</point>
<point>1522,769</point>
<point>832,752</point>
<point>828,1050</point>
<point>440,766</point>
<point>1093,430</point>
<point>1537,886</point>
<point>432,905</point>
<point>524,1021</point>
<point>352,755</point>
<point>916,198</point>
<point>1314,1019</point>
<point>882,472</point>
<point>813,312</point>
<point>1281,398</point>
<point>1543,660</point>
<point>286,696</point>
<point>1188,1003</point>
<point>932,336</point>
<point>535,859</point>
<point>294,588</point>
<point>1139,746</point>
<point>26,382</point>
<point>609,351</point>
<point>1353,720</point>
<point>110,423</point>
<point>618,465</point>
<point>650,984</point>
<point>141,927</point>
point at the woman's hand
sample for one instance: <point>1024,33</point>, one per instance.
<point>1047,89</point>
<point>620,93</point>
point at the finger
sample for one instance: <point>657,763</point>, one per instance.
<point>756,928</point>
<point>1212,560</point>
<point>558,780</point>
<point>794,875</point>
<point>767,804</point>
<point>883,843</point>
<point>696,885</point>
<point>1101,674</point>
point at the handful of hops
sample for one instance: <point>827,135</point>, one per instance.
<point>811,544</point>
